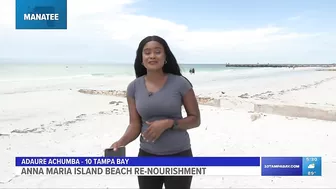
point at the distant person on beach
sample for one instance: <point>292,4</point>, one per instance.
<point>155,100</point>
<point>192,71</point>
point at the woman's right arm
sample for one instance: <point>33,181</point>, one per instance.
<point>134,128</point>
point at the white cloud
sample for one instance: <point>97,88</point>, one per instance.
<point>109,29</point>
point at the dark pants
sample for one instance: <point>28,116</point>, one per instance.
<point>170,182</point>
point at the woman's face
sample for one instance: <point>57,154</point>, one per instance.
<point>153,56</point>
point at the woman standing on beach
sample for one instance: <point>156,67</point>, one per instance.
<point>155,100</point>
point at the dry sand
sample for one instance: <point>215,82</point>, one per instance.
<point>70,123</point>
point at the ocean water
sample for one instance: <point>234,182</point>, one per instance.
<point>29,71</point>
<point>16,78</point>
<point>55,71</point>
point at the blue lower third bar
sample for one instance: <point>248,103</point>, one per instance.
<point>291,166</point>
<point>138,161</point>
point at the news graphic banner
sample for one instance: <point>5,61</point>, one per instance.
<point>291,166</point>
<point>159,166</point>
<point>41,14</point>
<point>140,165</point>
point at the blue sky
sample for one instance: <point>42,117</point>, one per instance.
<point>305,15</point>
<point>199,31</point>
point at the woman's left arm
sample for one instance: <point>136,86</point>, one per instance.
<point>193,118</point>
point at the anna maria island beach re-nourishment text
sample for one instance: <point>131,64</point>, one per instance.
<point>100,166</point>
<point>113,171</point>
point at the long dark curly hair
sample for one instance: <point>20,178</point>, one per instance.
<point>171,66</point>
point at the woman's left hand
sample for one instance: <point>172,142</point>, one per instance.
<point>155,129</point>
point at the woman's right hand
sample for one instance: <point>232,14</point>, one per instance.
<point>116,145</point>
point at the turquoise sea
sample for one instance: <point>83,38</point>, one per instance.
<point>208,78</point>
<point>108,70</point>
<point>43,71</point>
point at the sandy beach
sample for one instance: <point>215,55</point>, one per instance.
<point>69,119</point>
